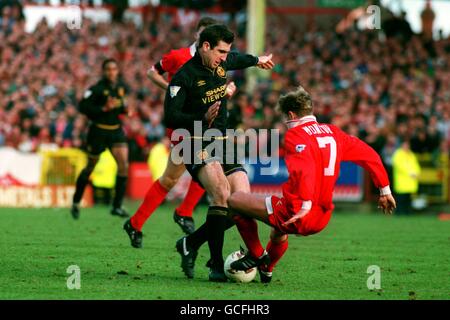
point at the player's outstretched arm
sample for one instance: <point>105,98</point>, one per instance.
<point>238,61</point>
<point>360,153</point>
<point>363,155</point>
<point>265,62</point>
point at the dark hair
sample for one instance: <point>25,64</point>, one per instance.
<point>106,61</point>
<point>215,33</point>
<point>298,101</point>
<point>206,22</point>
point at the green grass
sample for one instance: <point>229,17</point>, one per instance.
<point>37,246</point>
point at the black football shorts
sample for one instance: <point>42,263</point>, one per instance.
<point>223,151</point>
<point>98,139</point>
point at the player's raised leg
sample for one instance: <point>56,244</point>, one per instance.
<point>247,226</point>
<point>153,198</point>
<point>120,154</point>
<point>82,181</point>
<point>249,207</point>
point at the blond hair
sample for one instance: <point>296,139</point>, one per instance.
<point>298,101</point>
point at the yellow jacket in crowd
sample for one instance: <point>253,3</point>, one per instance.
<point>104,174</point>
<point>157,160</point>
<point>406,170</point>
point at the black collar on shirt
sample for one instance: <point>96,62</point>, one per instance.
<point>199,61</point>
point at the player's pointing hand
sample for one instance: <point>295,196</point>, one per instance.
<point>265,62</point>
<point>212,113</point>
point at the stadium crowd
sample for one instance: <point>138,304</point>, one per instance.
<point>382,89</point>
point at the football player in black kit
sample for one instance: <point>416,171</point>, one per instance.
<point>103,103</point>
<point>197,95</point>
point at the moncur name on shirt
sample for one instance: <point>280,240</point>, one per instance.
<point>317,129</point>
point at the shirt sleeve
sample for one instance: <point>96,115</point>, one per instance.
<point>158,68</point>
<point>360,153</point>
<point>299,189</point>
<point>236,61</point>
<point>91,104</point>
<point>176,93</point>
<point>169,62</point>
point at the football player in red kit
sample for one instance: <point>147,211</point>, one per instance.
<point>314,152</point>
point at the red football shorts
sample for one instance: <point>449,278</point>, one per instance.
<point>315,221</point>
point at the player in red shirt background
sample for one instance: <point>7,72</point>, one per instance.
<point>170,63</point>
<point>314,152</point>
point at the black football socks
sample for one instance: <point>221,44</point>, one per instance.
<point>121,184</point>
<point>82,181</point>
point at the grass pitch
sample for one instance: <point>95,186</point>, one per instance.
<point>38,245</point>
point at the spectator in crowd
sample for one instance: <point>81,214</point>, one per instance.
<point>362,82</point>
<point>406,170</point>
<point>427,16</point>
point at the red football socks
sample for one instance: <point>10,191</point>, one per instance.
<point>275,250</point>
<point>154,197</point>
<point>248,228</point>
<point>193,196</point>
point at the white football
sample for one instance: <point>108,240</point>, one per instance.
<point>234,275</point>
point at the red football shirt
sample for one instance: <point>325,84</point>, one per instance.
<point>174,60</point>
<point>314,152</point>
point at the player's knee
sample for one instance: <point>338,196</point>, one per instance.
<point>278,237</point>
<point>221,193</point>
<point>233,200</point>
<point>230,201</point>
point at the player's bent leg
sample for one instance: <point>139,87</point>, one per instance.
<point>152,200</point>
<point>215,183</point>
<point>157,193</point>
<point>276,248</point>
<point>247,227</point>
<point>120,154</point>
<point>238,181</point>
<point>249,205</point>
<point>82,181</point>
